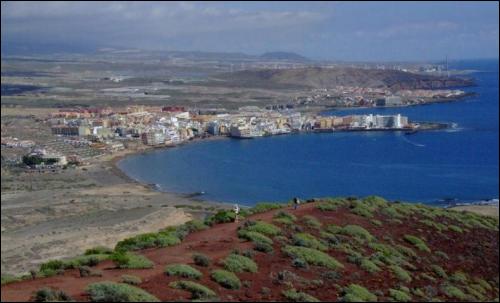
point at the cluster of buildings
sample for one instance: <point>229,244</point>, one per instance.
<point>84,134</point>
<point>353,96</point>
<point>170,125</point>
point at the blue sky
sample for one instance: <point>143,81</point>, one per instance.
<point>338,30</point>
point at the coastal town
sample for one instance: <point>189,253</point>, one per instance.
<point>82,134</point>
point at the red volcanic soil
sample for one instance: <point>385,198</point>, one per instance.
<point>474,253</point>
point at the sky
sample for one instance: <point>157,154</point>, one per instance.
<point>337,30</point>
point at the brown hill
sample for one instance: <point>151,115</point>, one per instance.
<point>333,249</point>
<point>317,77</point>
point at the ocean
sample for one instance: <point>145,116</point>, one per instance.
<point>435,167</point>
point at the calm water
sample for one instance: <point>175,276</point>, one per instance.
<point>460,163</point>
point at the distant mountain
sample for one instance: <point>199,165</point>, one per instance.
<point>288,56</point>
<point>317,77</point>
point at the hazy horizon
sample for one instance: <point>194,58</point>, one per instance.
<point>338,31</point>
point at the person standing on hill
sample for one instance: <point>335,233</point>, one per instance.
<point>236,210</point>
<point>296,203</point>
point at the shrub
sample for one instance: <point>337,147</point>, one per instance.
<point>376,222</point>
<point>308,240</point>
<point>299,263</point>
<point>455,228</point>
<point>406,251</point>
<point>357,293</point>
<point>99,250</point>
<point>331,275</point>
<point>263,207</point>
<point>442,255</point>
<point>369,266</point>
<point>222,216</point>
<point>458,277</point>
<point>182,270</point>
<point>130,260</point>
<point>237,263</point>
<point>118,292</point>
<point>160,239</point>
<point>312,256</point>
<point>51,267</point>
<point>295,296</point>
<point>483,283</point>
<point>51,295</point>
<point>132,280</point>
<point>357,232</point>
<point>267,229</point>
<point>399,296</point>
<point>400,273</point>
<point>85,260</point>
<point>201,260</point>
<point>453,292</point>
<point>312,222</point>
<point>417,242</point>
<point>197,291</point>
<point>6,279</point>
<point>255,237</point>
<point>195,225</point>
<point>326,206</point>
<point>362,210</point>
<point>226,279</point>
<point>391,212</point>
<point>263,247</point>
<point>427,277</point>
<point>284,218</point>
<point>439,271</point>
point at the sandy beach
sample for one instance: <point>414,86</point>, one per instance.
<point>59,215</point>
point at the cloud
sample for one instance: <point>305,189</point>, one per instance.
<point>418,28</point>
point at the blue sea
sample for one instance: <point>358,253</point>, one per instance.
<point>458,164</point>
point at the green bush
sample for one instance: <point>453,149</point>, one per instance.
<point>264,228</point>
<point>459,277</point>
<point>6,279</point>
<point>391,212</point>
<point>118,292</point>
<point>453,292</point>
<point>284,217</point>
<point>294,296</point>
<point>226,279</point>
<point>85,260</point>
<point>357,293</point>
<point>195,225</point>
<point>51,295</point>
<point>263,247</point>
<point>52,266</point>
<point>326,206</point>
<point>222,216</point>
<point>357,232</point>
<point>439,271</point>
<point>237,263</point>
<point>399,296</point>
<point>201,260</point>
<point>308,240</point>
<point>132,280</point>
<point>400,273</point>
<point>254,236</point>
<point>312,222</point>
<point>197,291</point>
<point>455,228</point>
<point>406,251</point>
<point>369,266</point>
<point>442,254</point>
<point>299,263</point>
<point>160,239</point>
<point>129,260</point>
<point>182,270</point>
<point>417,242</point>
<point>99,250</point>
<point>377,222</point>
<point>263,207</point>
<point>312,256</point>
